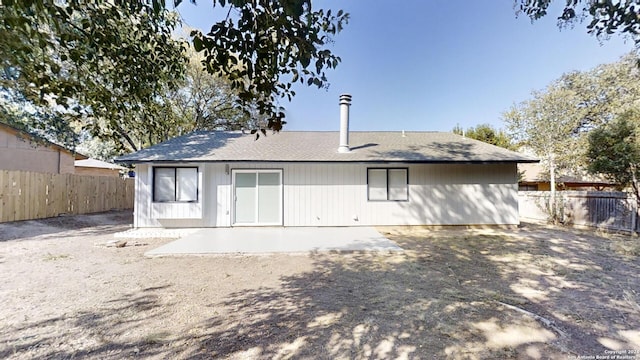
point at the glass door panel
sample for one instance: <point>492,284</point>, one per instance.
<point>246,198</point>
<point>269,210</point>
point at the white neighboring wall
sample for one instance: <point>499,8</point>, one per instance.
<point>335,194</point>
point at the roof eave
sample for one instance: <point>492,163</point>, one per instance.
<point>443,161</point>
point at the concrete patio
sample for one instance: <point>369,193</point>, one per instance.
<point>267,240</point>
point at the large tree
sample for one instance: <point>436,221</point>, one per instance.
<point>206,101</point>
<point>99,66</point>
<point>614,151</point>
<point>606,91</point>
<point>264,46</point>
<point>488,134</point>
<point>201,101</point>
<point>105,65</point>
<point>597,96</point>
<point>604,17</point>
<point>547,124</point>
<point>19,112</point>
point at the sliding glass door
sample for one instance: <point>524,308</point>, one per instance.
<point>257,196</point>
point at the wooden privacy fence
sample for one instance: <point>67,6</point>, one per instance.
<point>601,209</point>
<point>29,195</point>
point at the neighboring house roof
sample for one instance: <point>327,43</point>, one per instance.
<point>39,140</point>
<point>534,173</point>
<point>95,163</point>
<point>314,146</point>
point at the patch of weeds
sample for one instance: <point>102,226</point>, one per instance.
<point>156,338</point>
<point>445,329</point>
<point>576,317</point>
<point>52,257</point>
<point>452,293</point>
<point>627,247</point>
<point>507,299</point>
<point>506,353</point>
<point>104,339</point>
<point>491,295</point>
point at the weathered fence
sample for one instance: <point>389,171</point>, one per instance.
<point>601,209</point>
<point>30,195</point>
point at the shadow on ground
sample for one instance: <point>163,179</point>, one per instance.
<point>80,225</point>
<point>96,333</point>
<point>531,293</point>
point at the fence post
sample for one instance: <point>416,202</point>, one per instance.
<point>634,215</point>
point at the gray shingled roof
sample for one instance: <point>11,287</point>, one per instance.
<point>95,163</point>
<point>314,146</point>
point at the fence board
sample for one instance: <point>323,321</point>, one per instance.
<point>13,195</point>
<point>21,198</point>
<point>29,195</point>
<point>3,196</point>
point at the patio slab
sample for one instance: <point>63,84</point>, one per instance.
<point>276,240</point>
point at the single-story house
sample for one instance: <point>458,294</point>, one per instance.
<point>534,178</point>
<point>297,178</point>
<point>95,167</point>
<point>20,150</point>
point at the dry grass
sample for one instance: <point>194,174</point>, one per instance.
<point>529,293</point>
<point>54,257</point>
<point>626,245</point>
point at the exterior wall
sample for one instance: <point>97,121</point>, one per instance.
<point>19,153</point>
<point>149,214</point>
<point>91,171</point>
<point>336,195</point>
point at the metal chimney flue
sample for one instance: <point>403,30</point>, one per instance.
<point>345,102</point>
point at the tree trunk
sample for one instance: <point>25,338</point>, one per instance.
<point>125,136</point>
<point>552,180</point>
<point>634,184</point>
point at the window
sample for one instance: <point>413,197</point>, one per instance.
<point>175,184</point>
<point>388,184</point>
<point>528,187</point>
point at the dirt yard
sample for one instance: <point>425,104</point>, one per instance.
<point>531,293</point>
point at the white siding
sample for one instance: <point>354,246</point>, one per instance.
<point>176,210</point>
<point>141,210</point>
<point>329,194</point>
<point>336,195</point>
<point>170,214</point>
<point>219,189</point>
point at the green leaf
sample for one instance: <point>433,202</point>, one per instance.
<point>305,60</point>
<point>197,44</point>
<point>118,60</point>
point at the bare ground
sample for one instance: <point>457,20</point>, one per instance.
<point>532,293</point>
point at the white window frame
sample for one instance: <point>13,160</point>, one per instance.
<point>387,190</point>
<point>176,184</point>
